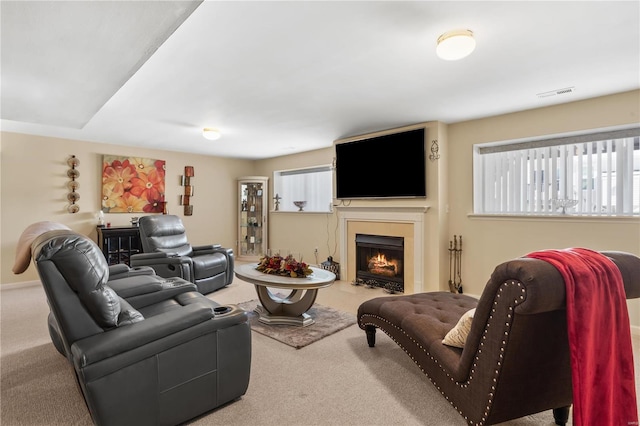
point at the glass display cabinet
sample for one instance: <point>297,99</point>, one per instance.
<point>252,217</point>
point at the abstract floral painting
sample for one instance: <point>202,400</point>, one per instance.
<point>132,185</point>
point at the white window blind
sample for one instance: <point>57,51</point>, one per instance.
<point>595,174</point>
<point>313,185</point>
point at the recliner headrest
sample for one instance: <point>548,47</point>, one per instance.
<point>85,270</point>
<point>161,225</point>
<point>164,233</point>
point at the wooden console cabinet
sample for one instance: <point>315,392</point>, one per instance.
<point>118,243</point>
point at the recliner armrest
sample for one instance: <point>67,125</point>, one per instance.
<point>170,289</point>
<point>134,286</point>
<point>105,353</point>
<point>147,290</point>
<point>122,270</point>
<point>157,256</point>
<point>217,248</point>
<point>206,249</point>
<point>119,340</point>
<point>166,264</point>
<point>119,268</point>
<point>230,263</point>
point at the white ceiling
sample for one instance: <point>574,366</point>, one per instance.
<point>283,77</point>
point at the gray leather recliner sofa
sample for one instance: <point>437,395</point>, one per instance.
<point>166,249</point>
<point>146,350</point>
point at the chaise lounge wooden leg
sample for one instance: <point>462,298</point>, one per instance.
<point>561,415</point>
<point>371,335</point>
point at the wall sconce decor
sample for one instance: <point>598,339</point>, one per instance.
<point>185,199</point>
<point>434,150</point>
<point>73,185</point>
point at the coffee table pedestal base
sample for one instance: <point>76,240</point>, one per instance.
<point>266,318</point>
<point>289,310</point>
<point>274,308</point>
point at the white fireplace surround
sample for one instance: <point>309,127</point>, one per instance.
<point>411,215</point>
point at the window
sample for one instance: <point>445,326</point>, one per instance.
<point>313,185</point>
<point>594,174</point>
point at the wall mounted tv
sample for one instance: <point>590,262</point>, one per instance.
<point>388,166</point>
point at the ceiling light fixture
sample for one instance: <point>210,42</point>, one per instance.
<point>211,133</point>
<point>454,45</point>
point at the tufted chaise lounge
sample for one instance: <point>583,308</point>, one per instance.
<point>516,358</point>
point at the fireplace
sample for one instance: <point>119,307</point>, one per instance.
<point>380,261</point>
<point>407,222</point>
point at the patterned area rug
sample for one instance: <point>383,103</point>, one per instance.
<point>327,322</point>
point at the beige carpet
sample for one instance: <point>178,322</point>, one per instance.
<point>327,321</point>
<point>337,380</point>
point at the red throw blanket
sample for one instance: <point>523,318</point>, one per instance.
<point>604,390</point>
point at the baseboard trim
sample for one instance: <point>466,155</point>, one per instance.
<point>22,284</point>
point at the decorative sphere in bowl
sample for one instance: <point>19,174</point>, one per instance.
<point>300,205</point>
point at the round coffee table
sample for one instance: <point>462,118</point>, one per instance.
<point>290,309</point>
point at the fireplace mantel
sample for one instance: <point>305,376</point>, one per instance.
<point>382,210</point>
<point>414,216</point>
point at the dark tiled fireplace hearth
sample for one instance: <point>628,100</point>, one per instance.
<point>380,261</point>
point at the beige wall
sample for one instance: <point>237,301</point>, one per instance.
<point>489,241</point>
<point>303,232</point>
<point>33,179</point>
<point>33,189</point>
<point>300,232</point>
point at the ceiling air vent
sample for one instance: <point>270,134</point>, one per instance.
<point>564,91</point>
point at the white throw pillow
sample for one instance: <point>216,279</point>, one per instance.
<point>457,336</point>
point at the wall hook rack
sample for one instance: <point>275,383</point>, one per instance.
<point>185,199</point>
<point>73,196</point>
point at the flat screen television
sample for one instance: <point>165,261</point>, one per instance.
<point>388,166</point>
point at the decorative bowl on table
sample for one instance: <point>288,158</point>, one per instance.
<point>300,205</point>
<point>564,204</point>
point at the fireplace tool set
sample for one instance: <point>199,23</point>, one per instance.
<point>455,265</point>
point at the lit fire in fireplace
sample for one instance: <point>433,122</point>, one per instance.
<point>378,264</point>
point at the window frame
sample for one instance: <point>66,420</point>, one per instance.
<point>526,175</point>
<point>322,168</point>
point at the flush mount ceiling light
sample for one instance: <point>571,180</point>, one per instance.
<point>454,45</point>
<point>211,133</point>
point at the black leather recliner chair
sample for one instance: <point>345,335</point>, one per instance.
<point>146,350</point>
<point>166,249</point>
